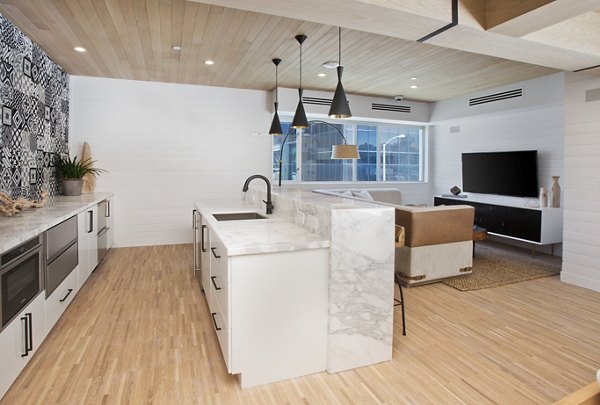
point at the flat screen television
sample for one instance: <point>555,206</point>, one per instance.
<point>505,173</point>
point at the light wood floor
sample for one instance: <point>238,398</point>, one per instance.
<point>139,332</point>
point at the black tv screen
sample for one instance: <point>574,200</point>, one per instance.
<point>504,173</point>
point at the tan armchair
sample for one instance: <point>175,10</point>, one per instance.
<point>438,243</point>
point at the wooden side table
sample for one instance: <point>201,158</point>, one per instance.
<point>479,234</point>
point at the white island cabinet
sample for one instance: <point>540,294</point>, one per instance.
<point>269,309</point>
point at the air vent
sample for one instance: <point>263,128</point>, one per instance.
<point>316,100</point>
<point>505,95</point>
<point>390,107</point>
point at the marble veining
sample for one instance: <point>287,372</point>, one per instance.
<point>361,288</point>
<point>33,221</point>
<point>275,234</point>
<point>361,270</point>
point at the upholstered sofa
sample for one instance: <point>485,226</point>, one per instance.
<point>438,241</point>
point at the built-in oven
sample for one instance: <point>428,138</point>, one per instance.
<point>21,277</point>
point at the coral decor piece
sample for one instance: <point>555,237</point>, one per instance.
<point>9,207</point>
<point>555,192</point>
<point>89,180</point>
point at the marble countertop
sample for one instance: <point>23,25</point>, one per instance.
<point>33,221</point>
<point>244,237</point>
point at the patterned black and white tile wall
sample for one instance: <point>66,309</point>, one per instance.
<point>34,98</point>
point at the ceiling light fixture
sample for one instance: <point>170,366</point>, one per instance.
<point>300,120</point>
<point>332,64</point>
<point>80,49</point>
<point>276,123</point>
<point>414,78</point>
<point>209,62</point>
<point>339,105</point>
<point>176,48</point>
<point>321,75</point>
<point>414,86</point>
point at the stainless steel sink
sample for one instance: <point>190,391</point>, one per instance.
<point>238,216</point>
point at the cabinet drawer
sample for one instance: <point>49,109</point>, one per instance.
<point>60,299</point>
<point>222,330</point>
<point>60,236</point>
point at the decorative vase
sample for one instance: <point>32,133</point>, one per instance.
<point>543,197</point>
<point>555,192</point>
<point>72,187</point>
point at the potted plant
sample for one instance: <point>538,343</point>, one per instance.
<point>71,172</point>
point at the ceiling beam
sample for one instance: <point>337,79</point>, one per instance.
<point>414,19</point>
<point>518,18</point>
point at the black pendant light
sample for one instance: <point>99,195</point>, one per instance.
<point>339,105</point>
<point>276,124</point>
<point>300,120</point>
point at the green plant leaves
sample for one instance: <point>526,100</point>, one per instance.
<point>68,168</point>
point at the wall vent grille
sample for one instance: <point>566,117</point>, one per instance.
<point>505,95</point>
<point>316,100</point>
<point>390,107</point>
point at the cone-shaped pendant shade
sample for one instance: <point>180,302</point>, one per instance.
<point>345,152</point>
<point>275,124</point>
<point>300,120</point>
<point>339,105</point>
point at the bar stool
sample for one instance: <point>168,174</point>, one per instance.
<point>398,243</point>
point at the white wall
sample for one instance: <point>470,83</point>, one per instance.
<point>532,122</point>
<point>581,248</point>
<point>166,146</point>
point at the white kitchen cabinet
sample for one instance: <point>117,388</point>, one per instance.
<point>60,299</point>
<point>20,340</point>
<point>87,222</point>
<point>110,233</point>
<point>269,312</point>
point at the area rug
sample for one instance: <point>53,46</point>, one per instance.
<point>495,266</point>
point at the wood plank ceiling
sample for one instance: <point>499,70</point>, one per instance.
<point>133,39</point>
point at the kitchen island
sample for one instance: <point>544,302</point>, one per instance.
<point>327,261</point>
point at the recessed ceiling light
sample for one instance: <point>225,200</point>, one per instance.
<point>414,86</point>
<point>321,75</point>
<point>176,48</point>
<point>330,64</point>
<point>414,78</point>
<point>80,49</point>
<point>209,62</point>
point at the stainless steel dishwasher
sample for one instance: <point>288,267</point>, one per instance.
<point>61,253</point>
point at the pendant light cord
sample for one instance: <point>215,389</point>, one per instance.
<point>339,46</point>
<point>300,64</point>
<point>276,84</point>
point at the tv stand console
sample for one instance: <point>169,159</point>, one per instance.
<point>540,226</point>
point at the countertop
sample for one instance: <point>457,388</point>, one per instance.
<point>244,237</point>
<point>33,221</point>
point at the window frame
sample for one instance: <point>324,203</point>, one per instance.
<point>423,129</point>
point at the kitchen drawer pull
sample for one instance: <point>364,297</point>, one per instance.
<point>203,248</point>
<point>213,251</point>
<point>214,321</point>
<point>26,336</point>
<point>91,228</point>
<point>65,297</point>
<point>212,278</point>
<point>30,339</point>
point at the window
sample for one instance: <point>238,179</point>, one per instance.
<point>392,153</point>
